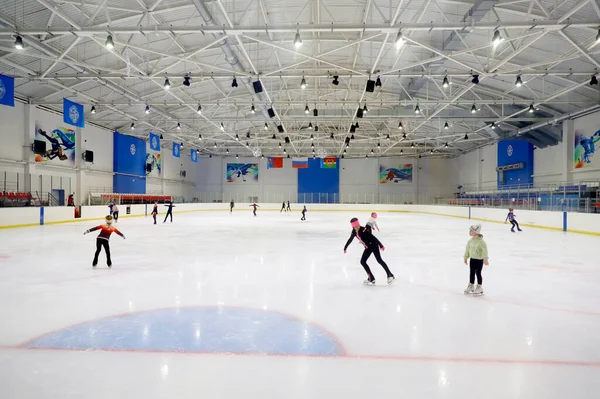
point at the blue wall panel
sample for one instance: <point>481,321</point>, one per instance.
<point>511,152</point>
<point>129,158</point>
<point>323,184</point>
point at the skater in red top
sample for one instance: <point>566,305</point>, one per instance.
<point>102,240</point>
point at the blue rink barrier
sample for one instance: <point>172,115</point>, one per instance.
<point>41,215</point>
<point>565,218</point>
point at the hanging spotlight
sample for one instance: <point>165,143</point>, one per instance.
<point>19,43</point>
<point>593,80</point>
<point>400,127</point>
<point>493,125</point>
<point>316,128</point>
<point>356,125</point>
<point>372,151</point>
<point>365,109</point>
<point>352,137</point>
<point>399,40</point>
<point>387,137</point>
<point>312,145</point>
<point>303,83</point>
<point>345,151</point>
<point>378,145</point>
<point>475,79</point>
<point>412,145</point>
<point>404,135</point>
<point>263,156</point>
<point>518,82</point>
<point>417,109</point>
<point>284,151</point>
<point>312,137</point>
<point>331,136</point>
<point>288,156</point>
<point>335,81</point>
<point>247,145</point>
<point>310,127</point>
<point>306,110</point>
<point>378,82</point>
<point>279,145</point>
<point>181,144</point>
<point>167,84</point>
<point>446,145</point>
<point>234,82</point>
<point>401,151</point>
<point>252,109</point>
<point>446,126</point>
<point>237,156</point>
<point>248,135</point>
<point>132,125</point>
<point>93,110</point>
<point>161,136</point>
<point>445,82</point>
<point>297,39</point>
<point>147,109</point>
<point>186,80</point>
<point>222,127</point>
<point>266,126</point>
<point>178,126</point>
<point>531,109</point>
<point>314,156</point>
<point>466,136</point>
<point>199,137</point>
<point>497,39</point>
<point>366,155</point>
<point>473,108</point>
<point>199,109</point>
<point>274,138</point>
<point>109,43</point>
<point>237,138</point>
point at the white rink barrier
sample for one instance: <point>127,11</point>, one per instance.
<point>566,221</point>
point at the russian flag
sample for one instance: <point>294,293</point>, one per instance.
<point>300,163</point>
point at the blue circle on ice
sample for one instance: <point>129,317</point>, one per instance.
<point>198,329</point>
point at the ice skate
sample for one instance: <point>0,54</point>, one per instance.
<point>478,290</point>
<point>369,282</point>
<point>469,289</point>
<point>109,264</point>
<point>391,280</point>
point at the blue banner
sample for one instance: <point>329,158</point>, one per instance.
<point>129,164</point>
<point>176,150</point>
<point>154,142</point>
<point>73,113</point>
<point>7,90</point>
<point>194,156</point>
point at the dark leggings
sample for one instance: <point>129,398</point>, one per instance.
<point>99,244</point>
<point>374,249</point>
<point>116,216</point>
<point>169,213</point>
<point>476,265</point>
<point>515,224</point>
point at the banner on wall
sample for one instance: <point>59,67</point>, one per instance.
<point>242,173</point>
<point>153,157</point>
<point>194,156</point>
<point>402,174</point>
<point>60,144</point>
<point>300,163</point>
<point>329,163</point>
<point>584,149</point>
<point>73,113</point>
<point>176,150</point>
<point>274,162</point>
<point>7,90</point>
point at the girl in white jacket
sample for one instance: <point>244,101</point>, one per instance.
<point>372,223</point>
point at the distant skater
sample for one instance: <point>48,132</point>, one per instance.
<point>477,254</point>
<point>511,218</point>
<point>115,213</point>
<point>372,246</point>
<point>288,207</point>
<point>303,213</point>
<point>282,207</point>
<point>231,205</point>
<point>155,211</point>
<point>372,223</point>
<point>110,207</point>
<point>169,211</point>
<point>102,240</point>
<point>255,206</point>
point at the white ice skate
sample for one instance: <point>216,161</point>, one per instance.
<point>369,282</point>
<point>391,280</point>
<point>478,290</point>
<point>469,289</point>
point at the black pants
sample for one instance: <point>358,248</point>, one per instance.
<point>303,216</point>
<point>373,249</point>
<point>116,216</point>
<point>254,212</point>
<point>476,265</point>
<point>230,209</point>
<point>288,209</point>
<point>154,217</point>
<point>514,224</point>
<point>169,213</point>
<point>282,209</point>
<point>100,242</point>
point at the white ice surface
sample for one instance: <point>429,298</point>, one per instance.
<point>535,334</point>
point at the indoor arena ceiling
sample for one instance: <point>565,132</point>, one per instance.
<point>477,71</point>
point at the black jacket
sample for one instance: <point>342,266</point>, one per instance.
<point>365,236</point>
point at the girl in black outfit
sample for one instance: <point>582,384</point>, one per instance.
<point>231,205</point>
<point>169,212</point>
<point>303,213</point>
<point>372,246</point>
<point>282,207</point>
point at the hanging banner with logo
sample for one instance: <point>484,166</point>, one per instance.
<point>73,113</point>
<point>153,157</point>
<point>176,150</point>
<point>194,156</point>
<point>7,90</point>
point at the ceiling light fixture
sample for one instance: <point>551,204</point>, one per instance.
<point>199,137</point>
<point>445,82</point>
<point>493,125</point>
<point>335,81</point>
<point>199,111</point>
<point>475,79</point>
<point>178,126</point>
<point>306,110</point>
<point>222,127</point>
<point>93,110</point>
<point>234,82</point>
<point>497,38</point>
<point>237,138</point>
<point>387,137</point>
<point>404,135</point>
<point>109,43</point>
<point>446,126</point>
<point>310,127</point>
<point>518,82</point>
<point>167,84</point>
<point>297,39</point>
<point>365,109</point>
<point>531,109</point>
<point>466,136</point>
<point>473,108</point>
<point>378,82</point>
<point>399,40</point>
<point>446,145</point>
<point>266,126</point>
<point>147,110</point>
<point>303,83</point>
<point>412,145</point>
<point>400,127</point>
<point>417,109</point>
<point>186,80</point>
<point>593,80</point>
<point>132,125</point>
<point>252,109</point>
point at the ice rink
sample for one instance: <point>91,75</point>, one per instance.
<point>231,306</point>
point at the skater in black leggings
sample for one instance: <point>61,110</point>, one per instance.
<point>512,219</point>
<point>282,207</point>
<point>169,212</point>
<point>372,246</point>
<point>102,241</point>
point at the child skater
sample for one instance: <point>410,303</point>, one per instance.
<point>288,207</point>
<point>303,213</point>
<point>155,211</point>
<point>169,211</point>
<point>115,213</point>
<point>231,205</point>
<point>372,246</point>
<point>255,206</point>
<point>102,240</point>
<point>372,223</point>
<point>511,217</point>
<point>110,207</point>
<point>282,207</point>
<point>477,252</point>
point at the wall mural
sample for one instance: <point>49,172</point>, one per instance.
<point>242,173</point>
<point>402,174</point>
<point>584,148</point>
<point>60,144</point>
